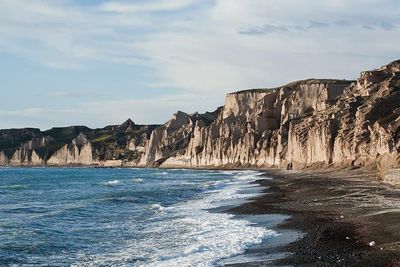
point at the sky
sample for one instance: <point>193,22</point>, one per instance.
<point>100,62</point>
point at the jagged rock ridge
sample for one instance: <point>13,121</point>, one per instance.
<point>76,145</point>
<point>306,123</point>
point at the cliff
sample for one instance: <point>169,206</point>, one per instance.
<point>76,145</point>
<point>255,127</point>
<point>303,124</point>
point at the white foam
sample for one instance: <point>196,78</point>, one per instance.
<point>247,175</point>
<point>137,180</point>
<point>243,175</point>
<point>156,207</point>
<point>187,234</point>
<point>212,184</point>
<point>13,186</point>
<point>113,183</point>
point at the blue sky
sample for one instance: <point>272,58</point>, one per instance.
<point>99,62</point>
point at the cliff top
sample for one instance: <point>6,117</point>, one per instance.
<point>296,83</point>
<point>392,65</point>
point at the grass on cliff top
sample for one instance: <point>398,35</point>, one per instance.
<point>61,136</point>
<point>65,134</point>
<point>12,138</point>
<point>101,139</point>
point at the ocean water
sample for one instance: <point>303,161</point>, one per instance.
<point>124,217</point>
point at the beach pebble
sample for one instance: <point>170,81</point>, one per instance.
<point>371,244</point>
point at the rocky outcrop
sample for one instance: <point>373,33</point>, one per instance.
<point>303,124</point>
<point>359,128</point>
<point>25,154</point>
<point>169,142</point>
<point>77,145</point>
<point>3,159</point>
<point>79,152</point>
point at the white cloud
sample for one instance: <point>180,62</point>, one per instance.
<point>153,6</point>
<point>199,46</point>
<point>206,47</point>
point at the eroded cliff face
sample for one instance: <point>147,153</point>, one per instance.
<point>170,142</point>
<point>79,152</point>
<point>299,125</point>
<point>77,145</point>
<point>304,124</point>
<point>253,127</point>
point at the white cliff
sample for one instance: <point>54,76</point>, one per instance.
<point>303,124</point>
<point>79,152</point>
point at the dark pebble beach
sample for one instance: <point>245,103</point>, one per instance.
<point>346,217</point>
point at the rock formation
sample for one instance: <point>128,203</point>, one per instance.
<point>77,145</point>
<point>303,124</point>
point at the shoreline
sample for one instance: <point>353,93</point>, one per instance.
<point>348,218</point>
<point>94,166</point>
<point>339,211</point>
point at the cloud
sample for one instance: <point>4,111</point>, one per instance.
<point>380,25</point>
<point>62,35</point>
<point>265,29</point>
<point>317,24</point>
<point>200,49</point>
<point>269,28</point>
<point>153,6</point>
<point>73,94</point>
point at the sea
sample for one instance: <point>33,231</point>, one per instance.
<point>126,217</point>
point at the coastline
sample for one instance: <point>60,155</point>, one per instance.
<point>338,211</point>
<point>348,217</point>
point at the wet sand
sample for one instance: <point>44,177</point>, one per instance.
<point>347,217</point>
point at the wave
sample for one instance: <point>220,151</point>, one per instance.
<point>189,234</point>
<point>210,185</point>
<point>113,183</point>
<point>137,180</point>
<point>13,187</point>
<point>181,169</point>
<point>247,175</point>
<point>162,222</point>
<point>161,173</point>
<point>121,200</point>
<point>156,207</point>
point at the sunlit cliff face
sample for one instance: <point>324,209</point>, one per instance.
<point>303,124</point>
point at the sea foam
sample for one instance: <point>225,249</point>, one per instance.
<point>113,183</point>
<point>137,180</point>
<point>189,234</point>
